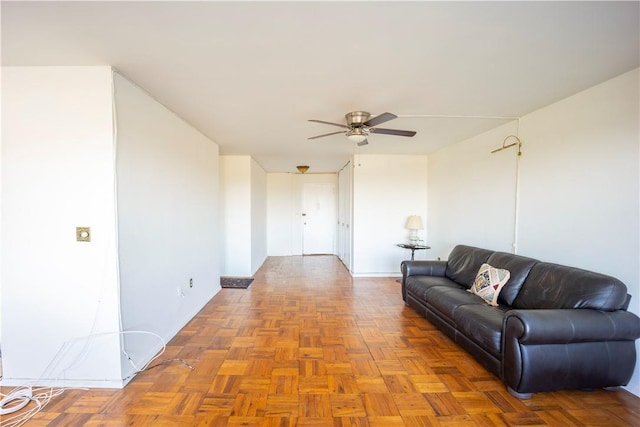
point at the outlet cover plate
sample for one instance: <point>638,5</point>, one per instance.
<point>83,234</point>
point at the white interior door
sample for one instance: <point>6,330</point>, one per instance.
<point>318,218</point>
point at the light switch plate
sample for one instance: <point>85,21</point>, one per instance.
<point>83,234</point>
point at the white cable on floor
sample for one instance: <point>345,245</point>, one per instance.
<point>21,396</point>
<point>138,370</point>
<point>41,397</point>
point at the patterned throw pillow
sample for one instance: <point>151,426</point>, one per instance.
<point>489,282</point>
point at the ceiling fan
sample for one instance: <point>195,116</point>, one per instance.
<point>360,124</point>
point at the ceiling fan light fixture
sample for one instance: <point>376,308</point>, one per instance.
<point>357,135</point>
<point>360,124</point>
<point>302,168</point>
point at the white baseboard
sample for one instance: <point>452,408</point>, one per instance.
<point>394,274</point>
<point>59,383</point>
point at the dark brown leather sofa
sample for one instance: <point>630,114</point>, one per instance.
<point>555,327</point>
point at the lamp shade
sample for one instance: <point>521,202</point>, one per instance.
<point>356,138</point>
<point>415,223</point>
<point>357,135</point>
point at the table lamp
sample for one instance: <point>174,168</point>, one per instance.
<point>414,223</point>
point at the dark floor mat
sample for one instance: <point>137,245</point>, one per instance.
<point>236,282</point>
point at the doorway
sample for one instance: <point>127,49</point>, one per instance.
<point>318,219</point>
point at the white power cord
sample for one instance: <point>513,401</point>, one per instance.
<point>22,395</point>
<point>164,347</point>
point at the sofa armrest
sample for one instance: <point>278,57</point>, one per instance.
<point>555,326</point>
<point>420,268</point>
<point>545,350</point>
<point>423,268</point>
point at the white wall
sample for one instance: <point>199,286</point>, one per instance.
<point>387,189</point>
<point>280,211</point>
<point>58,173</point>
<point>167,215</point>
<point>472,194</point>
<point>582,161</point>
<point>235,193</point>
<point>243,187</point>
<point>258,216</point>
<point>579,187</point>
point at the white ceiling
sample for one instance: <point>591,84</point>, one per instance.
<point>250,74</point>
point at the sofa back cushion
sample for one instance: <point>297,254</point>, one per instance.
<point>464,262</point>
<point>518,267</point>
<point>557,286</point>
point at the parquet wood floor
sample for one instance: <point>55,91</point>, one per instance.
<point>307,345</point>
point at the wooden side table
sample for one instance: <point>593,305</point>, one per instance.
<point>413,248</point>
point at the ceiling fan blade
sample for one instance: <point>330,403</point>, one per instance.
<point>326,134</point>
<point>361,143</point>
<point>329,123</point>
<point>384,117</point>
<point>396,132</point>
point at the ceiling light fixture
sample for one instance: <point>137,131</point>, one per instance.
<point>302,168</point>
<point>357,135</point>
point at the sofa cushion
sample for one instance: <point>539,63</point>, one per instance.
<point>489,282</point>
<point>482,324</point>
<point>557,286</point>
<point>464,262</point>
<point>518,266</point>
<point>418,285</point>
<point>446,300</point>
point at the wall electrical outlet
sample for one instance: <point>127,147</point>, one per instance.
<point>83,234</point>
